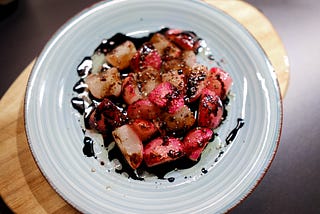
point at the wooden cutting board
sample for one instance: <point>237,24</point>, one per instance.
<point>24,188</point>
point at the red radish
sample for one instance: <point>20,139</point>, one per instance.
<point>162,150</point>
<point>195,141</point>
<point>113,115</point>
<point>187,40</point>
<point>146,56</point>
<point>97,122</point>
<point>159,95</point>
<point>129,144</point>
<point>219,81</point>
<point>166,96</point>
<point>143,109</point>
<point>144,129</point>
<point>106,117</point>
<point>138,85</point>
<point>183,65</point>
<point>210,110</point>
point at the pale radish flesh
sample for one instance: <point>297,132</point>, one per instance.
<point>104,84</point>
<point>129,144</point>
<point>121,56</point>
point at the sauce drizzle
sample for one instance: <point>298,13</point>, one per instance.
<point>233,134</point>
<point>88,147</point>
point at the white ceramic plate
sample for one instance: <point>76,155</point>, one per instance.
<point>56,139</point>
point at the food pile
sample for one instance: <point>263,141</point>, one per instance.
<point>153,97</point>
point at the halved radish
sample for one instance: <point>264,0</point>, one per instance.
<point>195,141</point>
<point>187,40</point>
<point>130,89</point>
<point>106,117</point>
<point>181,120</point>
<point>210,110</point>
<point>166,49</point>
<point>196,81</point>
<point>167,97</point>
<point>121,56</point>
<point>146,56</point>
<point>161,150</point>
<point>176,78</point>
<point>104,84</point>
<point>189,58</point>
<point>219,81</point>
<point>145,129</point>
<point>129,144</point>
<point>143,109</point>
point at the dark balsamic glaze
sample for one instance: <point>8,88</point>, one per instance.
<point>204,170</point>
<point>124,73</point>
<point>78,104</point>
<point>219,156</point>
<point>84,67</point>
<point>232,135</point>
<point>225,102</point>
<point>80,86</point>
<point>88,147</point>
<point>211,57</point>
<point>87,115</point>
<point>171,179</point>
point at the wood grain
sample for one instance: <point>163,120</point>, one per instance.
<point>23,187</point>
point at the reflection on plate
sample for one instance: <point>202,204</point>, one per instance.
<point>56,139</point>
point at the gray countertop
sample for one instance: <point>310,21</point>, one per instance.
<point>292,184</point>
